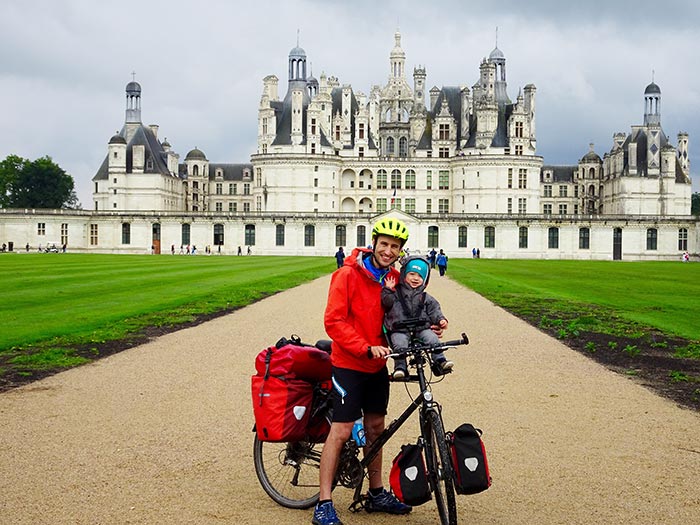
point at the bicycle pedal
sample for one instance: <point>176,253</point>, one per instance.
<point>359,505</point>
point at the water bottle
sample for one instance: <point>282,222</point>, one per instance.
<point>358,433</point>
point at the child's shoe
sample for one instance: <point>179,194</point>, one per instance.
<point>442,366</point>
<point>400,372</point>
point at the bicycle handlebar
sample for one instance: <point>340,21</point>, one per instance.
<point>446,345</point>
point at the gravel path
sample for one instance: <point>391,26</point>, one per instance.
<point>161,433</point>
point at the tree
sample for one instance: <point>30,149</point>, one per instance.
<point>10,168</point>
<point>695,204</point>
<point>35,184</point>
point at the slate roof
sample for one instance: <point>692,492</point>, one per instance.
<point>153,150</point>
<point>559,173</point>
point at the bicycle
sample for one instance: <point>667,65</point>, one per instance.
<point>288,472</point>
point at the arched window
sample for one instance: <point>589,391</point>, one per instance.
<point>381,180</point>
<point>250,234</point>
<point>396,179</point>
<point>195,170</point>
<point>185,235</point>
<point>522,237</point>
<point>462,237</point>
<point>309,235</point>
<point>218,235</point>
<point>490,237</point>
<point>553,238</point>
<point>403,147</point>
<point>652,235</point>
<point>388,116</point>
<point>682,239</point>
<point>433,236</point>
<point>584,238</point>
<point>279,235</point>
<point>340,235</point>
<point>390,145</point>
<point>410,181</point>
<point>361,236</point>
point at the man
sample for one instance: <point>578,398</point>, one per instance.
<point>339,257</point>
<point>353,320</point>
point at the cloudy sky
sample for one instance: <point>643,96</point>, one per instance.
<point>64,65</point>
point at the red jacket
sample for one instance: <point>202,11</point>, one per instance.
<point>354,315</point>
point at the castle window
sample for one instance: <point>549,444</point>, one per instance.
<point>522,237</point>
<point>462,237</point>
<point>381,180</point>
<point>390,145</point>
<point>444,132</point>
<point>553,238</point>
<point>563,191</point>
<point>519,129</point>
<point>410,180</point>
<point>584,238</point>
<point>443,153</point>
<point>249,235</point>
<point>361,131</point>
<point>444,180</point>
<point>518,149</point>
<point>652,235</point>
<point>547,190</point>
<point>522,178</point>
<point>682,239</point>
<point>403,147</point>
<point>433,236</point>
<point>279,235</point>
<point>126,233</point>
<point>396,179</point>
<point>309,235</point>
<point>94,234</point>
<point>522,206</point>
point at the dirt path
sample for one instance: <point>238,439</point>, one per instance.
<point>162,433</point>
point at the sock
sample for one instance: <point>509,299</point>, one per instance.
<point>322,501</point>
<point>376,492</point>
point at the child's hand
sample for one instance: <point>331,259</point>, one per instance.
<point>443,323</point>
<point>390,282</point>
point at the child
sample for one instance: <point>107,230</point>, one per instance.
<point>407,299</point>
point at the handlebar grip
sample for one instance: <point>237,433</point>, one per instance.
<point>456,342</point>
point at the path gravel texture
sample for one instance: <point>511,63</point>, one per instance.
<point>161,433</point>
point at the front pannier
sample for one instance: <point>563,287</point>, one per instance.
<point>408,477</point>
<point>471,469</point>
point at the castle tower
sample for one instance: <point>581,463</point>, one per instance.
<point>397,59</point>
<point>133,109</point>
<point>683,152</point>
<point>652,105</point>
<point>419,87</point>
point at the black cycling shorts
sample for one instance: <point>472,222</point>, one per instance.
<point>355,393</point>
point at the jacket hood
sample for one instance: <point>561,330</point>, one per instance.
<point>405,268</point>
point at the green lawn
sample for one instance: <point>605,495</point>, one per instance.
<point>81,298</point>
<point>663,295</point>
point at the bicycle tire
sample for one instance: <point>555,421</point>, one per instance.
<point>440,470</point>
<point>288,472</point>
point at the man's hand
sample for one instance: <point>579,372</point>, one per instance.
<point>375,352</point>
<point>438,328</point>
<point>390,282</point>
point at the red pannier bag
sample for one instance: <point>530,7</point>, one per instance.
<point>471,468</point>
<point>282,408</point>
<point>408,477</point>
<point>296,361</point>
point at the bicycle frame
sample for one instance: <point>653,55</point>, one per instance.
<point>424,401</point>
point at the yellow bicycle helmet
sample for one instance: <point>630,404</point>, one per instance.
<point>391,228</point>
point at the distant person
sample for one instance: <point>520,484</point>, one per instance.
<point>240,251</point>
<point>474,252</point>
<point>339,257</point>
<point>686,256</point>
<point>250,252</point>
<point>63,248</point>
<point>408,299</point>
<point>431,257</point>
<point>478,253</point>
<point>172,249</point>
<point>27,247</point>
<point>441,261</point>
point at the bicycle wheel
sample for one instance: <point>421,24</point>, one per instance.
<point>288,472</point>
<point>440,470</point>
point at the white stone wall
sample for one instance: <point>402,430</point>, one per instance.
<point>21,226</point>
